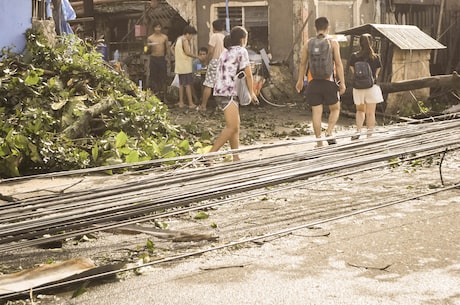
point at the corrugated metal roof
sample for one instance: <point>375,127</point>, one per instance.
<point>405,37</point>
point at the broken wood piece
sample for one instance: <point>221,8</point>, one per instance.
<point>384,268</point>
<point>176,236</point>
<point>223,267</point>
<point>30,278</point>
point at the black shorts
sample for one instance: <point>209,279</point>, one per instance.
<point>322,92</point>
<point>186,79</point>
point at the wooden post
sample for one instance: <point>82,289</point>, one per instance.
<point>438,33</point>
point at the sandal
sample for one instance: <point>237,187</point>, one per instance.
<point>206,162</point>
<point>331,141</point>
<point>356,137</point>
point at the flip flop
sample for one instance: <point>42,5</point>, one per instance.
<point>331,141</point>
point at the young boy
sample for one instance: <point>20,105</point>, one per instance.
<point>199,73</point>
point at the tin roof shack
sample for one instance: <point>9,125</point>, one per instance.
<point>405,51</point>
<point>125,25</point>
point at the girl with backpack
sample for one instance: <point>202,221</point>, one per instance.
<point>365,65</point>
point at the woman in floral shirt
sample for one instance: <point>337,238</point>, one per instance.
<point>234,59</point>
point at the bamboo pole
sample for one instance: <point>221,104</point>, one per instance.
<point>438,32</point>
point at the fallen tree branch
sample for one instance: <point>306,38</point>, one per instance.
<point>438,81</point>
<point>81,126</point>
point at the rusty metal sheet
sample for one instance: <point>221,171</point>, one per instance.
<point>405,37</point>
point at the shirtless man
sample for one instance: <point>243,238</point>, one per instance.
<point>160,53</point>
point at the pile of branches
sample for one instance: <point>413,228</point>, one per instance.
<point>63,107</point>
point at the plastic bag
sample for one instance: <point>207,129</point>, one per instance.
<point>175,81</point>
<point>244,96</point>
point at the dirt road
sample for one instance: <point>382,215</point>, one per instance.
<point>403,251</point>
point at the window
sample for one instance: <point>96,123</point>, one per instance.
<point>253,18</point>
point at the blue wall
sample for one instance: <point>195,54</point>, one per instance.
<point>16,18</point>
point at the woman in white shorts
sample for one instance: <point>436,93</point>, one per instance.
<point>367,99</point>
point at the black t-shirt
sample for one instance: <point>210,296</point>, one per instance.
<point>375,63</point>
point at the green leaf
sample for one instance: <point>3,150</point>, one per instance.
<point>132,157</point>
<point>185,145</point>
<point>95,152</point>
<point>20,141</point>
<point>32,78</point>
<point>150,245</point>
<point>201,215</point>
<point>125,150</point>
<point>121,139</point>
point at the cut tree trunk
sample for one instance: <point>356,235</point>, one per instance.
<point>438,81</point>
<point>81,127</point>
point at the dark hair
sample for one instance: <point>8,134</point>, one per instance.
<point>218,25</point>
<point>155,24</point>
<point>203,49</point>
<point>321,23</point>
<point>189,30</point>
<point>237,33</point>
<point>365,42</point>
<point>227,42</point>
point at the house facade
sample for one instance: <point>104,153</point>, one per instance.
<point>279,27</point>
<point>16,19</point>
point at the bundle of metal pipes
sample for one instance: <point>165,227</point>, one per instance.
<point>146,196</point>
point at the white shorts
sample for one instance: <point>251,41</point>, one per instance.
<point>368,96</point>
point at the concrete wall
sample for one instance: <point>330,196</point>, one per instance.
<point>16,19</point>
<point>281,28</point>
<point>344,14</point>
<point>280,24</point>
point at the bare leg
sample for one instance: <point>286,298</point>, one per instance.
<point>334,112</point>
<point>231,132</point>
<point>165,92</point>
<point>360,116</point>
<point>188,90</point>
<point>370,118</point>
<point>206,94</point>
<point>317,113</point>
<point>181,96</point>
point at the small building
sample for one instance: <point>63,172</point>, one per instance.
<point>405,51</point>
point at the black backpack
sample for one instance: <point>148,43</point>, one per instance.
<point>320,61</point>
<point>363,77</point>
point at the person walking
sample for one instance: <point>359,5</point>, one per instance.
<point>322,56</point>
<point>215,49</point>
<point>158,47</point>
<point>230,62</point>
<point>184,59</point>
<point>366,99</point>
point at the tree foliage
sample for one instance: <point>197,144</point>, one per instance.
<point>62,107</point>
